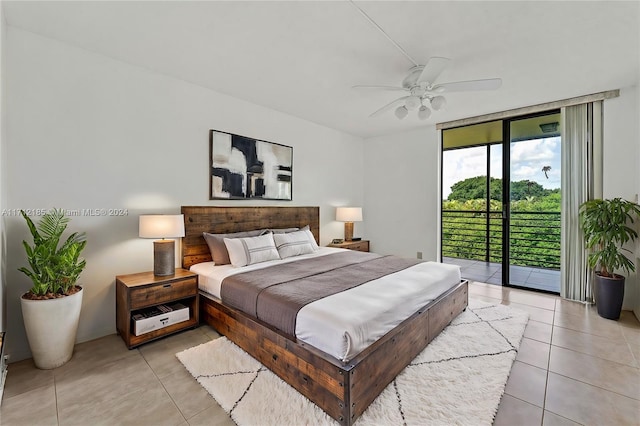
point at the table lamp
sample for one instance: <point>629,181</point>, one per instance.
<point>348,215</point>
<point>162,226</point>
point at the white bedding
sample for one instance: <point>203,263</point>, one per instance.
<point>346,323</point>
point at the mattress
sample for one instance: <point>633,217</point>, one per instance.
<point>345,323</point>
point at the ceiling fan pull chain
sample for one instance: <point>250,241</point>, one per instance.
<point>384,33</point>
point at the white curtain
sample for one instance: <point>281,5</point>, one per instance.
<point>581,180</point>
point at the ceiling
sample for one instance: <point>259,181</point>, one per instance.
<point>302,58</point>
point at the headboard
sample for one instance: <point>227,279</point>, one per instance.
<point>220,220</point>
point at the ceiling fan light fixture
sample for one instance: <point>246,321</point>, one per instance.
<point>438,103</point>
<point>412,102</point>
<point>401,112</point>
<point>424,113</point>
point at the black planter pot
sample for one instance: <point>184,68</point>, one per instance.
<point>609,293</point>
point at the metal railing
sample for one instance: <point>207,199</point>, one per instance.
<point>534,237</point>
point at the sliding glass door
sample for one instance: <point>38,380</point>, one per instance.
<point>534,202</point>
<point>507,240</point>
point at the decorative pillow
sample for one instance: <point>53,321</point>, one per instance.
<point>293,243</point>
<point>314,244</point>
<point>280,231</point>
<point>217,248</point>
<point>250,250</point>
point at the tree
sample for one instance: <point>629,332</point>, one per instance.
<point>476,188</point>
<point>522,189</point>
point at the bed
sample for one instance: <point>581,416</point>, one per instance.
<point>342,386</point>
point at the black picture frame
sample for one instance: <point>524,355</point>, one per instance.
<point>243,168</point>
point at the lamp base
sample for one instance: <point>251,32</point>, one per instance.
<point>164,258</point>
<point>348,231</point>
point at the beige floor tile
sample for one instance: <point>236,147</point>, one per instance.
<point>535,313</point>
<point>635,349</point>
<point>34,407</point>
<point>513,411</point>
<point>161,354</point>
<point>152,406</point>
<point>628,319</point>
<point>591,324</point>
<point>575,308</point>
<point>599,372</point>
<point>534,353</point>
<point>495,292</point>
<point>530,298</point>
<point>588,404</point>
<point>538,331</point>
<point>23,376</point>
<point>209,331</point>
<point>212,416</point>
<point>187,394</point>
<point>631,335</point>
<point>104,383</point>
<point>174,343</point>
<point>486,299</point>
<point>527,383</point>
<point>593,345</point>
<point>552,419</point>
<point>95,353</point>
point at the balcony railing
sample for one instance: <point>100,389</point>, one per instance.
<point>534,237</point>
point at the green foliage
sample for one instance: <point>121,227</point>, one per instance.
<point>53,269</point>
<point>476,188</point>
<point>606,229</point>
<point>534,237</point>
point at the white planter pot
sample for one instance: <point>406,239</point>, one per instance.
<point>51,327</point>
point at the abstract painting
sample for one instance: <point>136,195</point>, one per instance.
<point>242,168</point>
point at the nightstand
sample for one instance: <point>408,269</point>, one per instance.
<point>362,245</point>
<point>137,292</point>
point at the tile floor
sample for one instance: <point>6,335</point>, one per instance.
<point>573,367</point>
<point>521,276</point>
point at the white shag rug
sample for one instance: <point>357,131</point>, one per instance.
<point>458,379</point>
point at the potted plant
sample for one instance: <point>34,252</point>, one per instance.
<point>606,229</point>
<point>51,308</point>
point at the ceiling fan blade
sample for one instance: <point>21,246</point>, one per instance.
<point>388,106</point>
<point>434,67</point>
<point>391,88</point>
<point>471,85</point>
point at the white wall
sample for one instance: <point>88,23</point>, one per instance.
<point>401,193</point>
<point>620,162</point>
<point>86,131</point>
<point>3,281</point>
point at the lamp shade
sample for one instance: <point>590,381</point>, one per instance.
<point>161,226</point>
<point>349,214</point>
<point>401,112</point>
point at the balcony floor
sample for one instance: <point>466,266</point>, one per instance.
<point>521,276</point>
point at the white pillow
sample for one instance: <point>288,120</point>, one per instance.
<point>250,250</point>
<point>294,243</point>
<point>314,244</point>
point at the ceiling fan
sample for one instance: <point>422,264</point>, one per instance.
<point>420,84</point>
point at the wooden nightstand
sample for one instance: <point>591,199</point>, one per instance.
<point>135,292</point>
<point>362,245</point>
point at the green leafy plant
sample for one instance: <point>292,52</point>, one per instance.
<point>54,267</point>
<point>605,224</point>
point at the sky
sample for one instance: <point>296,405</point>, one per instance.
<point>527,160</point>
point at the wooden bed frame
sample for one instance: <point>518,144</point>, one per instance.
<point>342,390</point>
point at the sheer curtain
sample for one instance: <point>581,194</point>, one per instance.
<point>581,180</point>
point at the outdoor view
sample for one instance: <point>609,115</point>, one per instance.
<point>472,205</point>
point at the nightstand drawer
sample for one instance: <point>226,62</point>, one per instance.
<point>163,292</point>
<point>361,246</point>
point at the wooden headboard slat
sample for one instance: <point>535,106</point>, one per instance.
<point>221,220</point>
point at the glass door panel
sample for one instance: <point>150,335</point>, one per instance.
<point>534,203</point>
